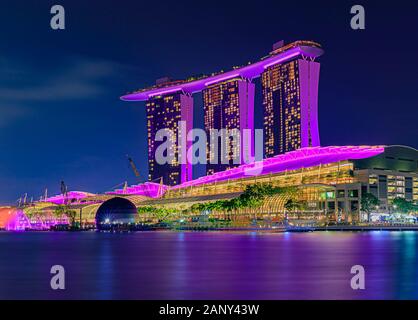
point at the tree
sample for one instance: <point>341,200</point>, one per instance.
<point>71,214</point>
<point>293,205</point>
<point>402,205</point>
<point>160,213</point>
<point>253,196</point>
<point>368,203</point>
<point>59,211</point>
<point>63,210</point>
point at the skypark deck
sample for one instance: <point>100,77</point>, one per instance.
<point>304,49</point>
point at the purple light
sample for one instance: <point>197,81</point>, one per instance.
<point>16,220</point>
<point>72,196</point>
<point>164,92</point>
<point>281,59</point>
<point>147,189</point>
<point>222,79</point>
<point>302,158</point>
<point>248,72</point>
<point>309,81</point>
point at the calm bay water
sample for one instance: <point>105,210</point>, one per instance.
<point>211,265</point>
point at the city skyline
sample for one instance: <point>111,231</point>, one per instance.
<point>289,77</point>
<point>57,80</point>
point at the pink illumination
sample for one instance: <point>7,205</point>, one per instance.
<point>247,72</point>
<point>13,219</point>
<point>72,196</point>
<point>18,221</point>
<point>186,102</point>
<point>164,92</point>
<point>147,189</point>
<point>8,218</point>
<point>302,158</point>
<point>309,81</point>
<point>246,120</point>
<point>231,76</point>
<point>46,221</point>
<point>281,59</point>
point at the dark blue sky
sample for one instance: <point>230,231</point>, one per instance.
<point>60,114</point>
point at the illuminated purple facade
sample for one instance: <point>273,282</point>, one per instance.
<point>302,158</point>
<point>147,189</point>
<point>229,104</point>
<point>306,49</point>
<point>13,219</point>
<point>70,197</point>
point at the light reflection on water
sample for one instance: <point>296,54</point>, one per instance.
<point>209,265</point>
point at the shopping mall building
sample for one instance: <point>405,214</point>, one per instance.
<point>331,182</point>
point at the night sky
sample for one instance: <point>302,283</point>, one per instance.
<point>60,113</point>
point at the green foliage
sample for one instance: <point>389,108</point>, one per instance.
<point>293,205</point>
<point>403,205</point>
<point>160,213</point>
<point>63,210</point>
<point>59,211</point>
<point>253,196</point>
<point>369,202</point>
<point>33,212</point>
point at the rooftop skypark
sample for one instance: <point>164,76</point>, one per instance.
<point>193,84</point>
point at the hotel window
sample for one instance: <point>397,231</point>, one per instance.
<point>353,193</point>
<point>341,193</point>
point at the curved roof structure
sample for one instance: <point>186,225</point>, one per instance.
<point>71,197</point>
<point>306,49</point>
<point>302,158</point>
<point>116,211</point>
<point>147,189</point>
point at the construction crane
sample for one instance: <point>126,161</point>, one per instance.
<point>64,191</point>
<point>139,177</point>
<point>134,169</point>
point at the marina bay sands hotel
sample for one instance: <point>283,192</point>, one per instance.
<point>289,79</point>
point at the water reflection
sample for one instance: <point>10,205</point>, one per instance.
<point>170,265</point>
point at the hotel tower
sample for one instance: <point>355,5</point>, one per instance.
<point>290,105</point>
<point>289,80</point>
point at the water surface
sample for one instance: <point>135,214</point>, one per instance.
<point>208,265</point>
